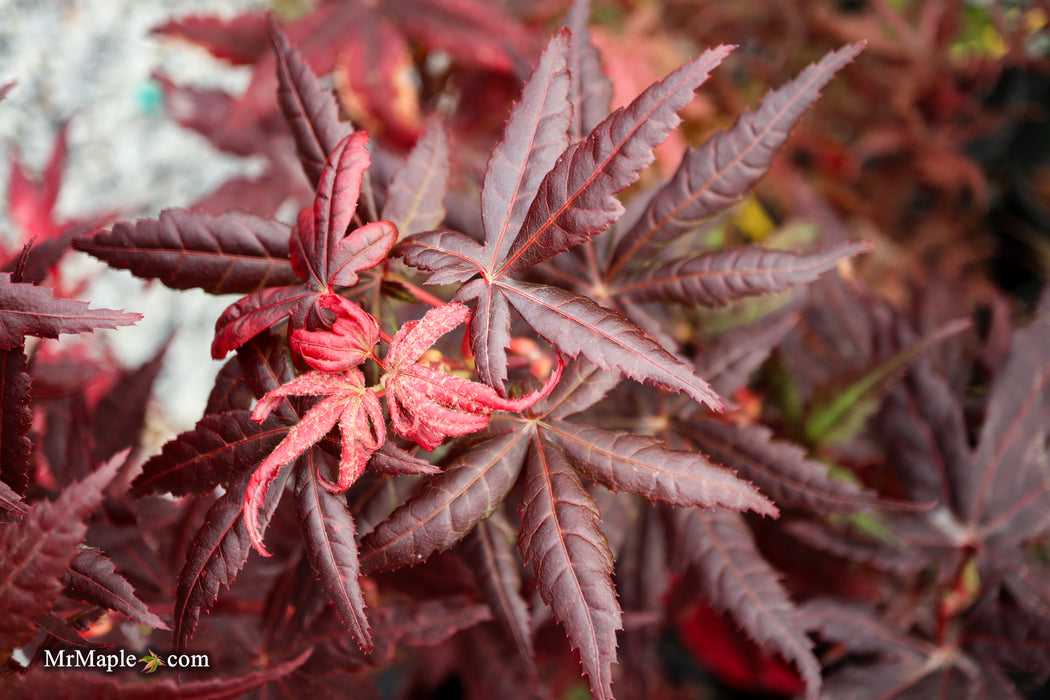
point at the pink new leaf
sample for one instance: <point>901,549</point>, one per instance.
<point>336,200</point>
<point>354,333</point>
<point>428,404</point>
<point>365,247</point>
<point>348,403</point>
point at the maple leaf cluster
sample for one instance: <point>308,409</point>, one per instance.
<point>641,427</point>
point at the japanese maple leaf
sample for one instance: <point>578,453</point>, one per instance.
<point>427,404</point>
<point>347,402</point>
<point>354,333</point>
<point>321,252</point>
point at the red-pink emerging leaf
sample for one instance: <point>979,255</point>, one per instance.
<point>336,200</point>
<point>427,404</point>
<point>353,336</point>
<point>348,403</point>
<point>251,315</point>
<point>239,40</point>
<point>365,247</point>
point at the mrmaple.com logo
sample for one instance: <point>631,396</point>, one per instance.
<point>110,661</point>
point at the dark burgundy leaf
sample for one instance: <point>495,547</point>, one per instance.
<point>730,358</point>
<point>489,551</point>
<point>261,195</point>
<point>217,553</point>
<point>267,364</point>
<point>839,413</point>
<point>424,623</point>
<point>857,546</point>
<point>450,255</point>
<point>725,168</point>
<point>779,468</point>
<point>926,441</point>
<point>415,198</point>
<point>715,279</point>
<point>67,444</point>
<point>489,667</point>
<point>5,88</point>
<point>1011,637</point>
<point>736,579</point>
<point>16,415</point>
<point>93,578</point>
<point>1001,480</point>
<point>239,40</point>
<point>42,257</point>
<point>447,506</point>
<point>328,529</point>
<point>576,200</point>
<point>562,540</point>
<point>391,459</point>
<point>232,253</point>
<point>575,324</point>
<point>590,92</point>
<point>63,632</point>
<point>861,631</point>
<point>581,386</point>
<point>37,551</point>
<point>218,450</point>
<point>311,112</point>
<point>489,332</point>
<point>1022,575</point>
<point>11,506</point>
<point>213,113</point>
<point>124,408</point>
<point>26,309</point>
<point>230,391</point>
<point>647,467</point>
<point>536,134</point>
<point>42,682</point>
